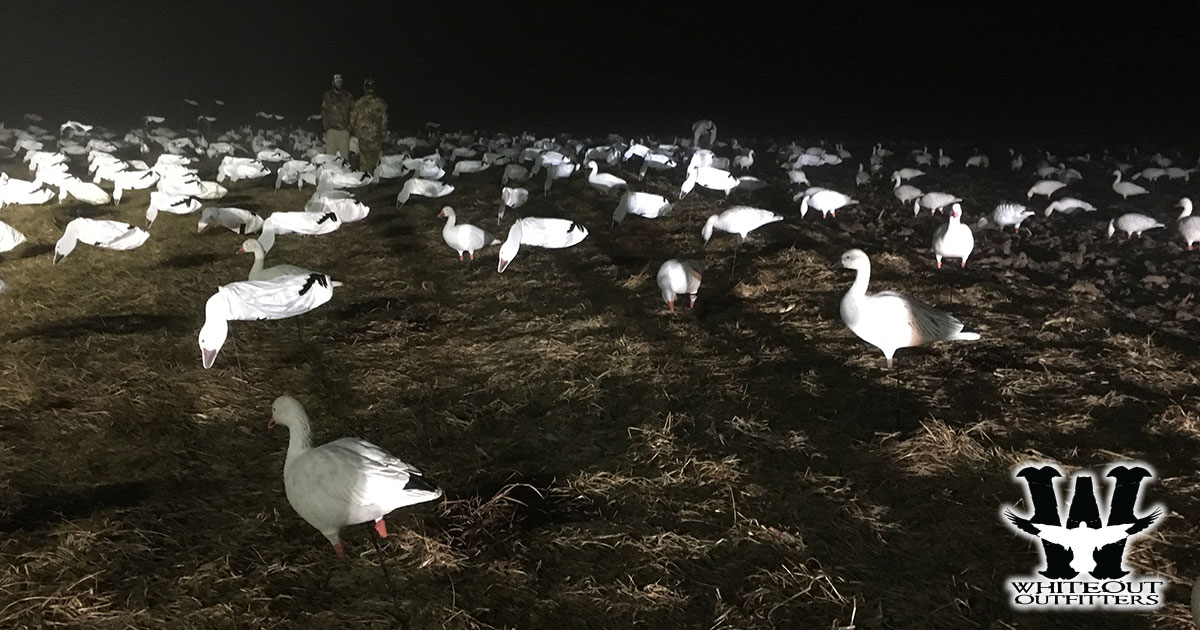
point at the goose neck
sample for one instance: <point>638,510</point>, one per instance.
<point>299,440</point>
<point>862,277</point>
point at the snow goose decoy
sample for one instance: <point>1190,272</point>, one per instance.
<point>642,204</point>
<point>10,238</point>
<point>463,237</point>
<point>423,188</point>
<point>934,201</point>
<point>1189,226</point>
<point>251,300</point>
<point>604,182</point>
<point>1007,214</point>
<point>953,239</point>
<point>740,220</point>
<point>862,177</point>
<point>539,232</point>
<point>890,321</point>
<point>1126,189</point>
<point>1045,187</point>
<point>307,223</point>
<point>826,201</point>
<point>511,198</point>
<point>166,202</point>
<point>257,272</point>
<point>98,233</point>
<point>1132,224</point>
<point>906,173</point>
<point>344,482</point>
<point>1069,205</point>
<point>86,192</point>
<point>235,219</point>
<point>711,178</point>
<point>906,193</point>
<point>679,277</point>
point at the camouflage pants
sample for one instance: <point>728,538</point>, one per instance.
<point>368,153</point>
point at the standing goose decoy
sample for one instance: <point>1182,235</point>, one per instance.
<point>890,321</point>
<point>826,201</point>
<point>1045,187</point>
<point>679,277</point>
<point>1126,189</point>
<point>1132,224</point>
<point>944,160</point>
<point>934,201</point>
<point>744,162</point>
<point>1007,214</point>
<point>1189,226</point>
<point>1069,205</point>
<point>642,204</point>
<point>464,238</point>
<point>953,239</point>
<point>862,177</point>
<point>98,233</point>
<point>253,300</point>
<point>344,482</point>
<point>604,182</point>
<point>257,272</point>
<point>511,198</point>
<point>539,232</point>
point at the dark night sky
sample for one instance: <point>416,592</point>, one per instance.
<point>945,71</point>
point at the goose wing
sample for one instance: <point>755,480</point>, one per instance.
<point>926,323</point>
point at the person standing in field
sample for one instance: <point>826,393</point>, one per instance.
<point>368,121</point>
<point>705,130</point>
<point>335,115</point>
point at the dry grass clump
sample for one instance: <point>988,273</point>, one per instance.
<point>939,449</point>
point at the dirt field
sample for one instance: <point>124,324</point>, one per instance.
<point>746,464</point>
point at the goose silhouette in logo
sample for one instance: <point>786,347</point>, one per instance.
<point>1083,542</point>
<point>251,300</point>
<point>343,482</point>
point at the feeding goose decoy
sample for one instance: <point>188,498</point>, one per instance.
<point>464,238</point>
<point>826,201</point>
<point>907,173</point>
<point>1189,226</point>
<point>1132,224</point>
<point>234,219</point>
<point>1045,187</point>
<point>1069,205</point>
<point>890,321</point>
<point>953,239</point>
<point>511,198</point>
<point>253,300</point>
<point>307,223</point>
<point>1126,189</point>
<point>679,277</point>
<point>1006,214</point>
<point>10,238</point>
<point>711,178</point>
<point>740,220</point>
<point>642,204</point>
<point>344,482</point>
<point>98,233</point>
<point>934,201</point>
<point>544,232</point>
<point>423,188</point>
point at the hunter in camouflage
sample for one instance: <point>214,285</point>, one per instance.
<point>368,121</point>
<point>335,115</point>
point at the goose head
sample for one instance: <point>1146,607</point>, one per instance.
<point>215,330</point>
<point>708,227</point>
<point>855,259</point>
<point>250,245</point>
<point>956,212</point>
<point>1112,228</point>
<point>447,212</point>
<point>510,247</point>
<point>287,411</point>
<point>1186,204</point>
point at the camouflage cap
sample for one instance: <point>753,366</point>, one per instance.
<point>369,84</point>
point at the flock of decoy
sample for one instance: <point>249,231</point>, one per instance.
<point>352,481</point>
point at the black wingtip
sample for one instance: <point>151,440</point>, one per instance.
<point>418,482</point>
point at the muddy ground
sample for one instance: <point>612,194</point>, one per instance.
<point>607,464</point>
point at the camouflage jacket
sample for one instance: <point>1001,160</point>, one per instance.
<point>335,109</point>
<point>368,118</point>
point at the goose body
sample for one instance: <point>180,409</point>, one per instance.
<point>740,220</point>
<point>1151,173</point>
<point>469,166</point>
<point>252,300</point>
<point>890,321</point>
<point>464,238</point>
<point>10,238</point>
<point>934,201</point>
<point>1069,205</point>
<point>861,177</point>
<point>679,277</point>
<point>86,192</point>
<point>234,219</point>
<point>544,232</point>
<point>709,177</point>
<point>166,202</point>
<point>1132,224</point>
<point>257,272</point>
<point>98,233</point>
<point>826,201</point>
<point>906,193</point>
<point>642,204</point>
<point>1045,187</point>
<point>1126,189</point>
<point>1006,214</point>
<point>604,181</point>
<point>953,239</point>
<point>307,223</point>
<point>422,188</point>
<point>906,173</point>
<point>346,481</point>
<point>511,198</point>
<point>744,162</point>
<point>235,169</point>
<point>1189,226</point>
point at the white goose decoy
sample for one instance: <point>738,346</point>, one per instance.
<point>642,204</point>
<point>344,482</point>
<point>679,277</point>
<point>1189,226</point>
<point>10,238</point>
<point>166,202</point>
<point>1006,214</point>
<point>235,219</point>
<point>251,300</point>
<point>740,220</point>
<point>907,173</point>
<point>1132,224</point>
<point>890,321</point>
<point>98,233</point>
<point>539,232</point>
<point>904,192</point>
<point>826,201</point>
<point>604,182</point>
<point>744,162</point>
<point>86,192</point>
<point>257,272</point>
<point>953,239</point>
<point>861,177</point>
<point>422,188</point>
<point>1045,187</point>
<point>235,169</point>
<point>1126,189</point>
<point>307,223</point>
<point>511,198</point>
<point>463,237</point>
<point>934,201</point>
<point>711,178</point>
<point>1069,205</point>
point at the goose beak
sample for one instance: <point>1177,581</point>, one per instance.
<point>208,357</point>
<point>58,257</point>
<point>241,250</point>
<point>502,265</point>
<point>271,423</point>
